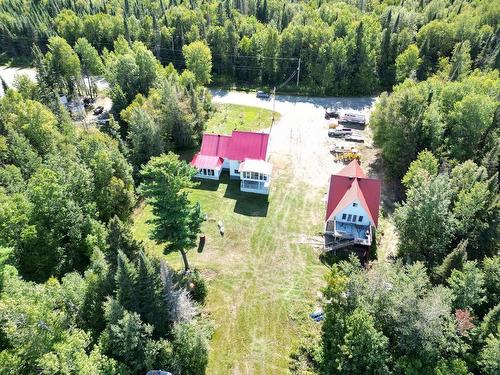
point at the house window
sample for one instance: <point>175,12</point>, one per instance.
<point>354,217</point>
<point>360,219</point>
<point>264,177</point>
<point>211,172</point>
<point>344,216</point>
<point>355,205</point>
<point>204,172</point>
<point>236,171</point>
<point>349,217</point>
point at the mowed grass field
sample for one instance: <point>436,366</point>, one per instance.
<point>229,117</point>
<point>263,274</point>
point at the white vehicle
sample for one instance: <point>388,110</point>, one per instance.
<point>339,131</point>
<point>352,117</point>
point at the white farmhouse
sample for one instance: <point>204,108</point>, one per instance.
<point>243,154</point>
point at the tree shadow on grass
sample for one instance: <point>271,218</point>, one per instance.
<point>248,204</point>
<point>187,154</point>
<point>392,190</point>
<point>210,185</point>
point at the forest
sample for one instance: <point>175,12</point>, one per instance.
<point>80,295</point>
<point>349,47</point>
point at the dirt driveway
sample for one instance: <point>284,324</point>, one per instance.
<point>299,141</point>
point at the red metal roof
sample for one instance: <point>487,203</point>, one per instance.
<point>248,145</point>
<point>351,184</point>
<point>353,169</point>
<point>206,161</point>
<point>239,146</point>
<point>215,145</point>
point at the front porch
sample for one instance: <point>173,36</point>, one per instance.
<point>250,186</point>
<point>255,176</point>
<point>349,233</point>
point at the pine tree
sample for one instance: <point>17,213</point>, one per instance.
<point>126,276</point>
<point>264,12</point>
<point>5,87</point>
<point>151,305</point>
<point>453,261</point>
<point>120,239</point>
<point>176,221</point>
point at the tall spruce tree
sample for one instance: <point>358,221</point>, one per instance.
<point>126,276</point>
<point>176,220</point>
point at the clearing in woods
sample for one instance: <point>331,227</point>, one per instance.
<point>264,274</point>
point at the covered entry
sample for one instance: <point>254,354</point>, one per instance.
<point>255,176</point>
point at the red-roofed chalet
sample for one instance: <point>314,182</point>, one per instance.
<point>353,207</point>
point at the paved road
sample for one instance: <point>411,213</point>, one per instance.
<point>300,137</point>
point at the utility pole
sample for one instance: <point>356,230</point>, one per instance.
<point>298,72</point>
<point>274,104</point>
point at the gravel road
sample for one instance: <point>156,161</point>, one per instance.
<point>300,137</point>
<point>9,74</point>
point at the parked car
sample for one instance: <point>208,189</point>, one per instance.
<point>330,113</point>
<point>263,95</point>
<point>98,110</point>
<point>351,117</point>
<point>339,131</point>
<point>88,102</point>
<point>354,138</point>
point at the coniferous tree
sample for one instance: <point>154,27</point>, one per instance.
<point>126,278</point>
<point>176,221</point>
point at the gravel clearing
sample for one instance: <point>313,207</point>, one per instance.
<point>301,134</point>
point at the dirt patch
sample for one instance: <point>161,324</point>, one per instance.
<point>316,242</point>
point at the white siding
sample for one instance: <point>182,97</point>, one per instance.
<point>354,210</point>
<point>225,165</point>
<point>234,165</point>
<point>208,177</point>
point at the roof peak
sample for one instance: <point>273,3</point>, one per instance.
<point>352,170</point>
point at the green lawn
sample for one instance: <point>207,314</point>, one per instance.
<point>229,117</point>
<point>263,275</point>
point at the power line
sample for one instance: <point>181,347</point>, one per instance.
<point>45,39</point>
